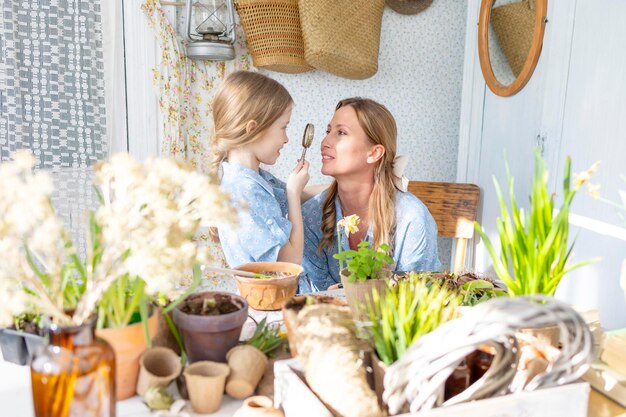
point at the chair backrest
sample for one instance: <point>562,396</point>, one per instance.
<point>454,207</point>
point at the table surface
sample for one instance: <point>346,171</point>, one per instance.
<point>15,391</point>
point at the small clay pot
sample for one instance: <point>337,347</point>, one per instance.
<point>258,406</point>
<point>205,383</point>
<point>158,367</point>
<point>247,365</point>
<point>359,293</point>
<point>210,337</point>
<point>270,293</point>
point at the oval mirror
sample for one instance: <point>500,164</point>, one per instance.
<point>510,36</point>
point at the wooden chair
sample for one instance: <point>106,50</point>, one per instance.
<point>454,207</point>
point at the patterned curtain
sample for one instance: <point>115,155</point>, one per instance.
<point>185,88</point>
<point>52,81</point>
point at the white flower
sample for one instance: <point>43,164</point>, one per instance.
<point>146,227</point>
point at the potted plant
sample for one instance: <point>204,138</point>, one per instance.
<point>140,240</point>
<point>19,341</point>
<point>247,362</point>
<point>471,287</point>
<point>403,314</point>
<point>534,244</point>
<point>275,283</point>
<point>210,323</point>
<point>365,271</point>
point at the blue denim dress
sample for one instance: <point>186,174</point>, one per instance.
<point>263,227</point>
<point>415,245</point>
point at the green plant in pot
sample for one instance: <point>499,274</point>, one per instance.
<point>534,248</point>
<point>247,362</point>
<point>404,313</point>
<point>471,287</point>
<point>361,270</point>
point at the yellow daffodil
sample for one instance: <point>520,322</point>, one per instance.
<point>349,224</point>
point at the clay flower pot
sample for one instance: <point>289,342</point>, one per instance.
<point>210,337</point>
<point>270,293</point>
<point>294,305</point>
<point>359,293</point>
<point>205,383</point>
<point>258,406</point>
<point>247,365</point>
<point>128,343</point>
<point>158,367</point>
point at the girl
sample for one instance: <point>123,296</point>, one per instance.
<point>359,152</point>
<point>251,113</point>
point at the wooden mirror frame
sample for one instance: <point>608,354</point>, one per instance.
<point>541,7</point>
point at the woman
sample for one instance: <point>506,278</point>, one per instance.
<point>359,152</point>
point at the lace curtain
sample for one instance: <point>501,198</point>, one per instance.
<point>52,82</point>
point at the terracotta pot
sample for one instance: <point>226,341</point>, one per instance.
<point>258,406</point>
<point>210,337</point>
<point>294,305</point>
<point>247,365</point>
<point>205,383</point>
<point>128,343</point>
<point>158,367</point>
<point>359,294</point>
<point>271,293</point>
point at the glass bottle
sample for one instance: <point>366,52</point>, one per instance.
<point>74,375</point>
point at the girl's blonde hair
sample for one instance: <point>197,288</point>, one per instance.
<point>380,128</point>
<point>242,97</point>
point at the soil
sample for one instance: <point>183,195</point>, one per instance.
<point>273,274</point>
<point>29,327</point>
<point>298,303</point>
<point>212,306</point>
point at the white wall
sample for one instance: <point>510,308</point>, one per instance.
<point>420,71</point>
<point>573,105</point>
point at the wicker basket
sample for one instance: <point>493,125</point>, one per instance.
<point>514,25</point>
<point>342,36</point>
<point>273,34</point>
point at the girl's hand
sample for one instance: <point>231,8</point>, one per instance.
<point>298,178</point>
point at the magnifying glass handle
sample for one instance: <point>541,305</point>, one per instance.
<point>303,154</point>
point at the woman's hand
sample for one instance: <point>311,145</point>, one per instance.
<point>334,287</point>
<point>298,178</point>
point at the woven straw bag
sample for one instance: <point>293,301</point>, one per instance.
<point>342,36</point>
<point>273,34</point>
<point>514,26</point>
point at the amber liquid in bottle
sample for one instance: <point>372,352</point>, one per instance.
<point>74,375</point>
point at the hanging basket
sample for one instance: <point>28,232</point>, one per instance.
<point>273,34</point>
<point>342,36</point>
<point>514,25</point>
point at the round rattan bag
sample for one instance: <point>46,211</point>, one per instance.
<point>342,36</point>
<point>273,34</point>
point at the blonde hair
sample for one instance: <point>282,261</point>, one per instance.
<point>242,97</point>
<point>380,128</point>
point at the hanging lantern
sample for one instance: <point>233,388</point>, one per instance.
<point>210,29</point>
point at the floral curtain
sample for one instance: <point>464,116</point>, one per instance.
<point>185,89</point>
<point>51,82</point>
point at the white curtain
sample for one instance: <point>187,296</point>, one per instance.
<point>51,81</point>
